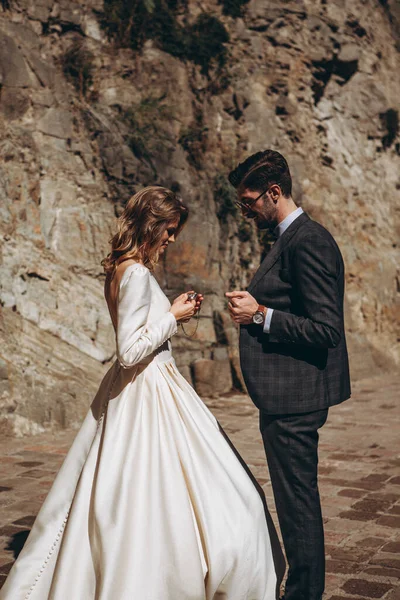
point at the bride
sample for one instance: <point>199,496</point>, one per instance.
<point>152,502</point>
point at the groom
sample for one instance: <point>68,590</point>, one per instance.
<point>293,355</point>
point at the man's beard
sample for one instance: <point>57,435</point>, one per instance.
<point>266,221</point>
<point>264,225</point>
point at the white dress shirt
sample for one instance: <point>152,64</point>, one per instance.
<point>279,229</point>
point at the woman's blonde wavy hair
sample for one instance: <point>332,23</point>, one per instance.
<point>141,225</point>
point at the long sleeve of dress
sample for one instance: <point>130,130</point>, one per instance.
<point>137,338</point>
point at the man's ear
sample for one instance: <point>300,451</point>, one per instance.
<point>275,192</point>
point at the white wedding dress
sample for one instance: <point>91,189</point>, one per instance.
<point>151,502</point>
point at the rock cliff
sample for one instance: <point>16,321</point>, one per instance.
<point>91,109</point>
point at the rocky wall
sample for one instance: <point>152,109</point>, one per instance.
<point>312,79</point>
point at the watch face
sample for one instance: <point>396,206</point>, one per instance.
<point>258,318</point>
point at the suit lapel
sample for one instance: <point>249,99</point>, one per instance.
<point>277,249</point>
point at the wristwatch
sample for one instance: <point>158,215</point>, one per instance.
<point>259,315</point>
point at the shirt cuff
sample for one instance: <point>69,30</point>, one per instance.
<point>267,322</point>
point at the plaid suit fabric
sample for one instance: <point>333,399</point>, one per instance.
<point>291,446</point>
<point>302,364</point>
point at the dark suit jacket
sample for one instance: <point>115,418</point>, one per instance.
<point>302,364</point>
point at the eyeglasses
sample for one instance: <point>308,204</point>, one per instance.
<point>248,205</point>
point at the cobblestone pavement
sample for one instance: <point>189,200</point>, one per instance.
<point>359,484</point>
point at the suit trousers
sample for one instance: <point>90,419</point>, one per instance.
<point>291,446</point>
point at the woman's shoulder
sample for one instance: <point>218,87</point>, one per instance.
<point>127,268</point>
<point>116,284</point>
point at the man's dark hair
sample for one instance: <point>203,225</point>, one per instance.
<point>262,169</point>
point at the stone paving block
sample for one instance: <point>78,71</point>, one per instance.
<point>4,558</point>
<point>8,530</point>
<point>389,521</point>
<point>345,598</point>
<point>394,594</point>
<point>345,457</point>
<point>48,449</point>
<point>392,547</point>
<point>350,493</point>
<point>25,521</point>
<point>15,483</point>
<point>325,470</point>
<point>35,473</point>
<point>385,497</point>
<point>333,582</point>
<point>8,460</point>
<point>369,589</point>
<point>4,503</point>
<point>19,508</point>
<point>346,567</point>
<point>334,500</point>
<point>357,515</point>
<point>331,511</point>
<point>343,524</point>
<point>332,537</point>
<point>371,505</point>
<point>383,572</point>
<point>4,569</point>
<point>358,555</point>
<point>379,477</point>
<point>386,560</point>
<point>41,497</point>
<point>347,483</point>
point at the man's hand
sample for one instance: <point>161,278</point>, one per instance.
<point>242,307</point>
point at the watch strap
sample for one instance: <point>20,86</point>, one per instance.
<point>261,310</point>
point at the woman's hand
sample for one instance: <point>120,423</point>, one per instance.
<point>184,309</point>
<point>199,300</point>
